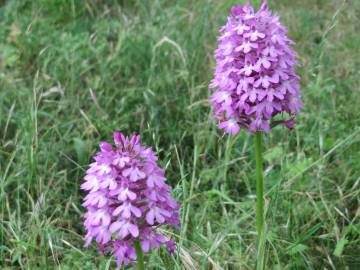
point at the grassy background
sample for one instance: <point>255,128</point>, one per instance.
<point>73,71</point>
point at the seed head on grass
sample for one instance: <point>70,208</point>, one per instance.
<point>254,75</point>
<point>127,199</point>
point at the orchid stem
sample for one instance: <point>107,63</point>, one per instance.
<point>139,255</point>
<point>259,201</point>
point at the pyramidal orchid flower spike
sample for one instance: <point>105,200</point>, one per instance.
<point>254,76</point>
<point>127,201</point>
<point>255,81</point>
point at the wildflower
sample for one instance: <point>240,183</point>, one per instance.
<point>254,76</point>
<point>127,200</point>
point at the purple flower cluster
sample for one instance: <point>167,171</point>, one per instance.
<point>127,199</point>
<point>254,75</point>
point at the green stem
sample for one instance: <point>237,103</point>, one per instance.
<point>139,255</point>
<point>259,200</point>
<point>259,184</point>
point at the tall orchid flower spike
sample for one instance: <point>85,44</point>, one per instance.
<point>255,80</point>
<point>127,201</point>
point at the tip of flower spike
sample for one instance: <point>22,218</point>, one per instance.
<point>135,139</point>
<point>242,9</point>
<point>118,137</point>
<point>236,10</point>
<point>264,6</point>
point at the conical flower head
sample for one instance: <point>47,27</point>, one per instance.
<point>127,199</point>
<point>255,78</point>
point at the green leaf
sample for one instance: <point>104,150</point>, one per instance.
<point>340,246</point>
<point>296,248</point>
<point>273,154</point>
<point>81,151</point>
<point>298,166</point>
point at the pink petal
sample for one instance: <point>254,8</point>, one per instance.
<point>134,230</point>
<point>145,245</point>
<point>115,226</point>
<point>150,217</point>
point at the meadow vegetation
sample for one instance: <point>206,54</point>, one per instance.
<point>72,72</point>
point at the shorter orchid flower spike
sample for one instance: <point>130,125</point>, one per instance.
<point>127,200</point>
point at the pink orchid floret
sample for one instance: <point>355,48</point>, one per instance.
<point>128,200</point>
<point>255,77</point>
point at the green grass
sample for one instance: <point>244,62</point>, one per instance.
<point>73,71</point>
